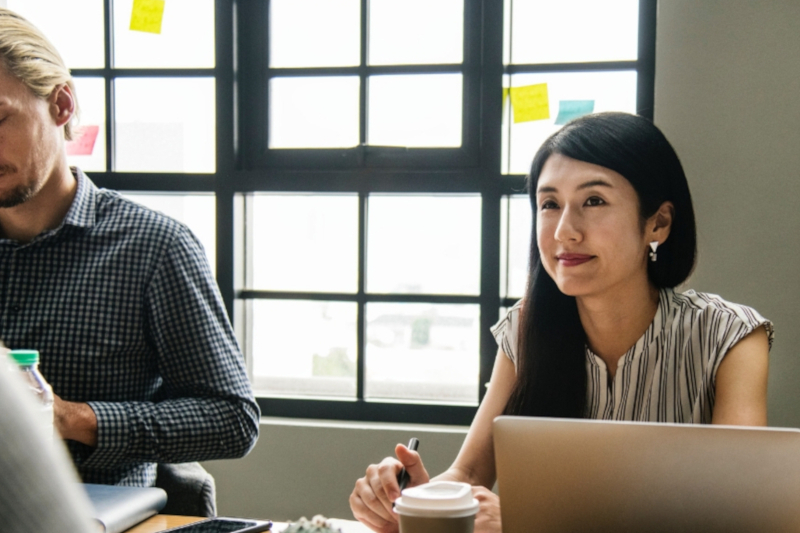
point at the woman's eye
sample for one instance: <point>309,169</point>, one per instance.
<point>594,200</point>
<point>549,204</point>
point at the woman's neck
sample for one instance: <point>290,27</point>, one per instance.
<point>613,322</point>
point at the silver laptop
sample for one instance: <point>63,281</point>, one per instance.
<point>557,475</point>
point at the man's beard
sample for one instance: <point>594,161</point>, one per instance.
<point>20,194</point>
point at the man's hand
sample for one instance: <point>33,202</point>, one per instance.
<point>75,421</point>
<point>488,519</point>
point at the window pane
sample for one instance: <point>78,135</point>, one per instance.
<point>315,33</point>
<point>305,242</point>
<point>416,32</point>
<point>415,111</point>
<point>75,28</point>
<point>186,39</point>
<point>422,352</point>
<point>314,112</point>
<point>568,31</point>
<point>174,132</point>
<point>197,211</point>
<point>424,244</point>
<point>91,94</point>
<point>603,91</point>
<point>304,348</point>
<point>515,245</point>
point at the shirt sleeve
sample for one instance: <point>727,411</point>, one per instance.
<point>736,322</point>
<point>205,407</point>
<point>505,332</point>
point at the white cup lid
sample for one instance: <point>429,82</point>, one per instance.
<point>439,498</point>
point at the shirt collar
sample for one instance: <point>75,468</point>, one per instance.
<point>83,210</point>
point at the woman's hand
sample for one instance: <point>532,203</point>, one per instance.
<point>373,495</point>
<point>488,519</point>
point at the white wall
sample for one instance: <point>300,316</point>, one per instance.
<point>303,468</point>
<point>728,97</point>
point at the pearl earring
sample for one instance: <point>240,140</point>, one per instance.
<point>653,247</point>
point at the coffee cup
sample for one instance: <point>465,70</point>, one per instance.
<point>437,507</point>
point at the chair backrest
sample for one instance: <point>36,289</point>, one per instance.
<point>190,489</point>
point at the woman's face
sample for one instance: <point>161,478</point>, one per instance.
<point>591,235</point>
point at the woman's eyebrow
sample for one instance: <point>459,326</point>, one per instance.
<point>586,185</point>
<point>594,183</point>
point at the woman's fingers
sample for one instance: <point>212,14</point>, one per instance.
<point>363,514</point>
<point>488,518</point>
<point>412,462</point>
<point>382,479</point>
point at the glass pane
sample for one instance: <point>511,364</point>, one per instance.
<point>197,211</point>
<point>304,348</point>
<point>593,91</point>
<point>304,242</point>
<point>174,132</point>
<point>315,33</point>
<point>515,245</point>
<point>88,149</point>
<point>568,31</point>
<point>422,352</point>
<point>415,110</point>
<point>424,244</point>
<point>314,112</point>
<point>414,32</point>
<point>186,38</point>
<point>75,28</point>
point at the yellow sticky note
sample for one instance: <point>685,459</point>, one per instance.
<point>147,15</point>
<point>530,103</point>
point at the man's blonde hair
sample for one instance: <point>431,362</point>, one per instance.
<point>30,57</point>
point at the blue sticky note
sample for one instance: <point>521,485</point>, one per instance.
<point>569,109</point>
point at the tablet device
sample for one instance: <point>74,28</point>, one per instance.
<point>222,524</point>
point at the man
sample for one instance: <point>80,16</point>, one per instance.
<point>119,300</point>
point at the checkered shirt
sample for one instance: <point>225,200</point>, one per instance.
<point>121,304</point>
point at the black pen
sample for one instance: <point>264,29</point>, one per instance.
<point>402,477</point>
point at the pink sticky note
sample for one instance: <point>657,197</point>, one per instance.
<point>83,139</point>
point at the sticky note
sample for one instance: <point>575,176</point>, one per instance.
<point>530,103</point>
<point>83,139</point>
<point>147,15</point>
<point>505,97</point>
<point>569,109</point>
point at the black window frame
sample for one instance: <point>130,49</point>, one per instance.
<point>244,165</point>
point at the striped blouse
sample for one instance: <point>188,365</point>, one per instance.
<point>669,374</point>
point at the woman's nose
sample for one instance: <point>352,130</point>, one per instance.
<point>569,227</point>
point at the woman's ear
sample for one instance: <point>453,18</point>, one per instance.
<point>660,224</point>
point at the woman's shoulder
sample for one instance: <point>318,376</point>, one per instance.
<point>708,303</point>
<point>711,310</point>
<point>505,331</point>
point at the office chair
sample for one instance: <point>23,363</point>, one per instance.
<point>190,489</point>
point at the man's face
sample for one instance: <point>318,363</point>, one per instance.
<point>29,141</point>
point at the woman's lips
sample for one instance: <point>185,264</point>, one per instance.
<point>570,260</point>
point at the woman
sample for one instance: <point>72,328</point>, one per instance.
<point>601,333</point>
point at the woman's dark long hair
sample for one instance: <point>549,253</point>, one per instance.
<point>551,361</point>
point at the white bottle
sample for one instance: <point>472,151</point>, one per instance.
<point>28,363</point>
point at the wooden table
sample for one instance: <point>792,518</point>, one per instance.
<point>161,522</point>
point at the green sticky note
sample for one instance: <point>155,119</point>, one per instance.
<point>530,103</point>
<point>569,109</point>
<point>147,15</point>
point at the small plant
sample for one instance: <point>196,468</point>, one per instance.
<point>318,524</point>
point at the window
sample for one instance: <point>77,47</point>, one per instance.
<point>364,160</point>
